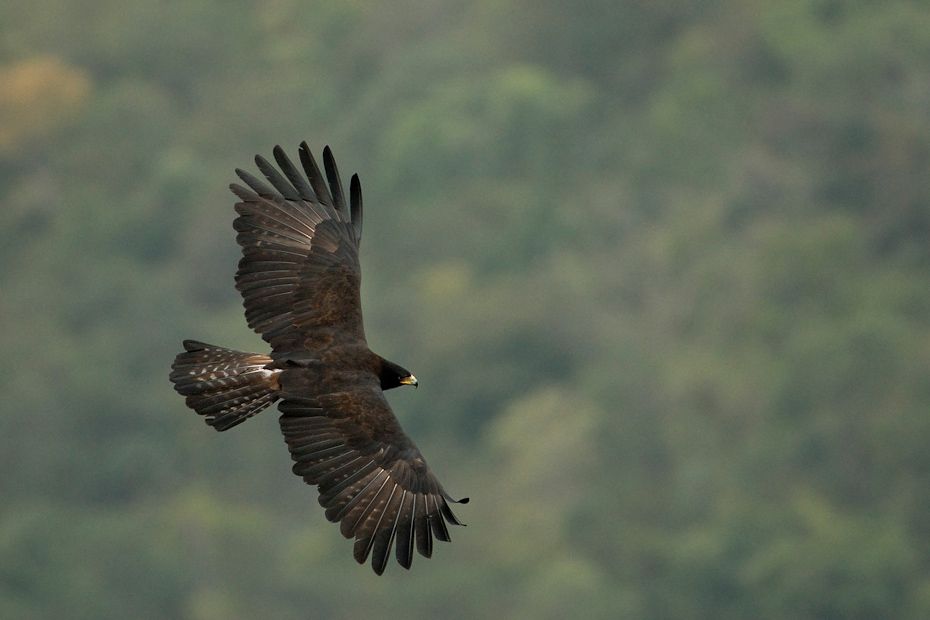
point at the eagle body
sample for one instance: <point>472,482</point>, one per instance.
<point>300,280</point>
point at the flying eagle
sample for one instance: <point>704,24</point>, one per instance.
<point>299,276</point>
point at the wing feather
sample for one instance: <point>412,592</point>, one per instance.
<point>422,529</point>
<point>355,200</point>
<point>335,183</point>
<point>405,531</point>
<point>252,181</point>
<point>297,180</point>
<point>276,179</point>
<point>314,175</point>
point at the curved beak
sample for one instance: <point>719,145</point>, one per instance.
<point>410,380</point>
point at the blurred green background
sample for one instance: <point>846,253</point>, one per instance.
<point>661,268</point>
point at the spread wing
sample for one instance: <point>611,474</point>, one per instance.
<point>372,479</point>
<point>299,274</point>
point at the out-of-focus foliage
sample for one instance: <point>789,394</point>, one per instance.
<point>661,268</point>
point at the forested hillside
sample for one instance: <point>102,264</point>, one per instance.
<point>661,268</point>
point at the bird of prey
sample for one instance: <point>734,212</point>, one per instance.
<point>299,276</point>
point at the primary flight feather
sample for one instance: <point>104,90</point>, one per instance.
<point>300,278</point>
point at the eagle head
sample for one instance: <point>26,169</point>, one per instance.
<point>394,375</point>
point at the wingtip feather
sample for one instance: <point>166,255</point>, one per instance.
<point>335,183</point>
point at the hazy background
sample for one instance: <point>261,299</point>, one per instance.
<point>662,269</point>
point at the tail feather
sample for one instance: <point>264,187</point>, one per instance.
<point>225,386</point>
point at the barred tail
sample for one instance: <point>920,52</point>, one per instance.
<point>226,386</point>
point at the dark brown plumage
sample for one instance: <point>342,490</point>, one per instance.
<point>299,277</point>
